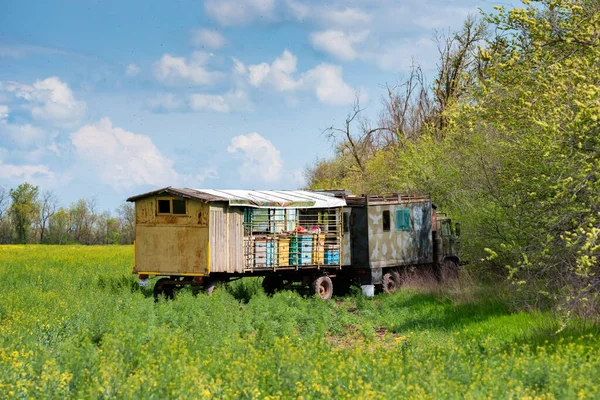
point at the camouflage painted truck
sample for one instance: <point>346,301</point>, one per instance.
<point>323,241</point>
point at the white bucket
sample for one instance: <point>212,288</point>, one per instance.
<point>368,290</point>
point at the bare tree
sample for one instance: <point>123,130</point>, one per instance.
<point>360,145</point>
<point>407,109</point>
<point>48,207</point>
<point>127,216</point>
<point>458,66</point>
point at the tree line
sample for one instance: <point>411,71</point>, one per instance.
<point>28,215</point>
<point>507,139</point>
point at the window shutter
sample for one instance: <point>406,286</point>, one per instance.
<point>403,219</point>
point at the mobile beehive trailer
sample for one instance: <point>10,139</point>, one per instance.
<point>203,237</point>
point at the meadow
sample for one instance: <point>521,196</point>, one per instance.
<point>75,324</point>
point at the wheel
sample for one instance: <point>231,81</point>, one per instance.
<point>390,282</point>
<point>210,286</point>
<point>323,287</point>
<point>272,284</point>
<point>164,287</point>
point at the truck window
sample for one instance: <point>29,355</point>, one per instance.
<point>386,221</point>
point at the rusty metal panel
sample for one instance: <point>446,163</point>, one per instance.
<point>400,247</point>
<point>218,238</point>
<point>172,249</point>
<point>235,245</point>
<point>171,244</point>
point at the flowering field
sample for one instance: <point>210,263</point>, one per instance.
<point>74,323</point>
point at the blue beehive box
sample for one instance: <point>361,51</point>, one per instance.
<point>301,250</point>
<point>271,252</point>
<point>332,257</point>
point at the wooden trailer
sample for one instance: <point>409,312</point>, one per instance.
<point>203,237</point>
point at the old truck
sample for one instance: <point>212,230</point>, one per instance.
<point>320,240</point>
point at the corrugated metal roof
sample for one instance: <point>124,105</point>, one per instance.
<point>253,198</point>
<point>276,198</point>
<point>185,193</point>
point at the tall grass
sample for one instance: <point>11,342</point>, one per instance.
<point>74,323</point>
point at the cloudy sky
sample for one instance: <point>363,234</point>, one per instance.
<point>108,99</point>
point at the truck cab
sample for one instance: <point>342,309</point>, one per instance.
<point>446,243</point>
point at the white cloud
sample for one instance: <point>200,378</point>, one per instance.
<point>208,38</point>
<point>18,51</point>
<point>3,112</point>
<point>338,43</point>
<point>120,158</point>
<point>22,136</point>
<point>325,80</point>
<point>277,75</point>
<point>25,173</point>
<point>172,70</point>
<point>208,102</point>
<point>167,102</point>
<point>329,85</point>
<point>239,12</point>
<point>349,17</point>
<point>260,158</point>
<point>50,100</point>
<point>207,173</point>
<point>132,70</point>
<point>327,16</point>
<point>230,101</point>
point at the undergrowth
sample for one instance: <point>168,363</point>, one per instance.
<point>74,323</point>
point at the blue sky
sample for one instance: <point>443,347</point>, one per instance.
<point>107,99</point>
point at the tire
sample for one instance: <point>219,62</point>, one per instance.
<point>164,287</point>
<point>323,287</point>
<point>390,282</point>
<point>272,284</point>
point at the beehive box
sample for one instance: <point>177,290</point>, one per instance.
<point>283,252</point>
<point>318,249</point>
<point>301,250</point>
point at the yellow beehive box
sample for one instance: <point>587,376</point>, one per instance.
<point>283,256</point>
<point>318,254</point>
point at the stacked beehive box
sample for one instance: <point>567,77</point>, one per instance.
<point>248,252</point>
<point>332,254</point>
<point>283,252</point>
<point>318,249</point>
<point>301,250</point>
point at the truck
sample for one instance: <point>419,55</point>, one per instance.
<point>326,241</point>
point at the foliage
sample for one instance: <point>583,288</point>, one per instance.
<point>517,160</point>
<point>30,218</point>
<point>75,324</point>
<point>23,208</point>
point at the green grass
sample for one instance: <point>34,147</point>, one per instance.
<point>74,323</point>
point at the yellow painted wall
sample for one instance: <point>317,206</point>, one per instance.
<point>172,244</point>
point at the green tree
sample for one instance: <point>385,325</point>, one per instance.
<point>23,210</point>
